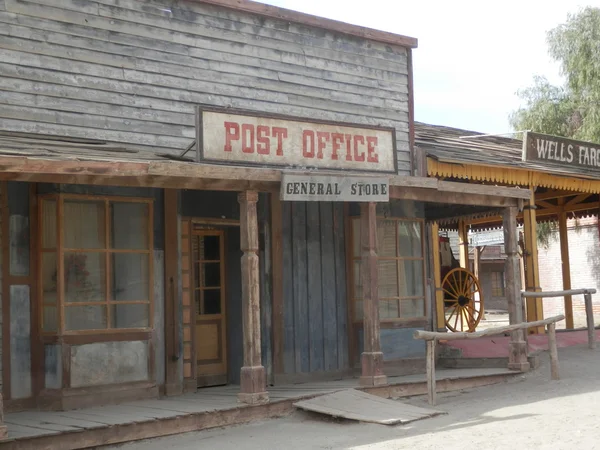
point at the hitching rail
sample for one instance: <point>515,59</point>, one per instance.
<point>432,337</point>
<point>589,313</point>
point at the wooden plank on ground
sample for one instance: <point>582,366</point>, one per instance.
<point>357,405</point>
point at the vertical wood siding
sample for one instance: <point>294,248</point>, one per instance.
<point>315,323</point>
<point>131,71</point>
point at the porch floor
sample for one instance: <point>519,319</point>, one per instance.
<point>194,411</point>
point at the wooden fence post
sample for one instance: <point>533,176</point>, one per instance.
<point>431,394</point>
<point>589,312</point>
<point>553,351</point>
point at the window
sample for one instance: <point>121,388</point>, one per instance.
<point>400,269</point>
<point>497,284</point>
<point>96,263</point>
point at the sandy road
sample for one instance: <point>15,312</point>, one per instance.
<point>530,412</point>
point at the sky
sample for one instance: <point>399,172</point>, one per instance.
<point>473,55</point>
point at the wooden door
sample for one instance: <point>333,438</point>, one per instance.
<point>208,260</point>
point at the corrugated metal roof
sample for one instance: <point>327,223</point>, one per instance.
<point>449,145</point>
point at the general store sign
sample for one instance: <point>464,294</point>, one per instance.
<point>229,137</point>
<point>561,152</point>
<point>326,188</point>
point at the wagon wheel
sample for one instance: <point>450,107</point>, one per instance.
<point>463,300</point>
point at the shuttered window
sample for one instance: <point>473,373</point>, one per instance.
<point>400,269</point>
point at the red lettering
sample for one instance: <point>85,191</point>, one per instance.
<point>358,156</point>
<point>247,135</point>
<point>348,147</point>
<point>336,144</point>
<point>371,148</point>
<point>232,133</point>
<point>308,138</point>
<point>322,138</point>
<point>263,146</point>
<point>280,134</point>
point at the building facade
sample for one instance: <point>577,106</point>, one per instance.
<point>147,244</point>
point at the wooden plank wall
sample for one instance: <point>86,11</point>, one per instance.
<point>314,283</point>
<point>131,71</point>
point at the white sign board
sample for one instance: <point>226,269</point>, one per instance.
<point>232,138</point>
<point>325,188</point>
<point>483,238</point>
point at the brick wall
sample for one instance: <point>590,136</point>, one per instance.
<point>584,257</point>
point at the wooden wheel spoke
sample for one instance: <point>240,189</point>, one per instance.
<point>450,316</point>
<point>450,293</point>
<point>456,283</point>
<point>453,305</point>
<point>470,284</point>
<point>471,311</point>
<point>467,284</point>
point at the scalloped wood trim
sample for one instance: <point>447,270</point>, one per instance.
<point>513,176</point>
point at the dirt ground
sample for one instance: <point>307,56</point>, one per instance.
<point>529,412</point>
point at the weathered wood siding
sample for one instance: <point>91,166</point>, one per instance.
<point>315,307</point>
<point>132,70</point>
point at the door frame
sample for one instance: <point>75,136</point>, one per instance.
<point>214,227</point>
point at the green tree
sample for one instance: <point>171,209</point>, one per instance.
<point>573,109</point>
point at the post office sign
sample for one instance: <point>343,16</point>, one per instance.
<point>241,138</point>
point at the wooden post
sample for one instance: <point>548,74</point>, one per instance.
<point>463,244</point>
<point>566,265</point>
<point>589,314</point>
<point>3,427</point>
<point>253,377</point>
<point>372,357</point>
<point>477,252</point>
<point>430,364</point>
<point>535,307</point>
<point>518,347</point>
<point>173,309</point>
<point>440,321</point>
<point>553,351</point>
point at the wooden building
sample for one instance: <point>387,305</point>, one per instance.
<point>561,174</point>
<point>210,191</point>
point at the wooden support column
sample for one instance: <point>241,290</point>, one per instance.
<point>372,357</point>
<point>440,321</point>
<point>517,357</point>
<point>253,376</point>
<point>566,265</point>
<point>535,307</point>
<point>463,244</point>
<point>477,252</point>
<point>173,312</point>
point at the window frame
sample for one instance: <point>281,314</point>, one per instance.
<point>400,321</point>
<point>497,275</point>
<point>60,250</point>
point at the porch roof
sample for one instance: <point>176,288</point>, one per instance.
<point>56,159</point>
<point>453,152</point>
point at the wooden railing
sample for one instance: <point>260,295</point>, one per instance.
<point>587,295</point>
<point>432,337</point>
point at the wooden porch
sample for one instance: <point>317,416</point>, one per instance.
<point>207,408</point>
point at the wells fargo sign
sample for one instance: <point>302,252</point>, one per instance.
<point>245,139</point>
<point>327,188</point>
<point>561,152</point>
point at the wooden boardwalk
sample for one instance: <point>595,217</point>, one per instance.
<point>207,408</point>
